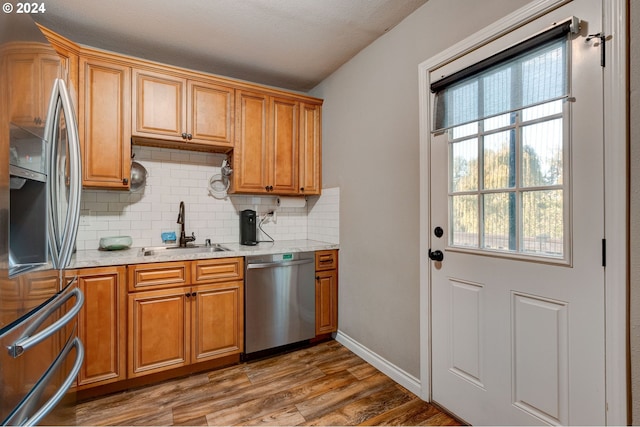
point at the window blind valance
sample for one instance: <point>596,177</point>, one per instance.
<point>532,72</point>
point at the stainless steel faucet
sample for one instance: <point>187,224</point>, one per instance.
<point>184,239</point>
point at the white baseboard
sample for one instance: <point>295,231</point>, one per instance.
<point>398,375</point>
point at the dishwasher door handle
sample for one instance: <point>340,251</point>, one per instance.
<point>278,263</point>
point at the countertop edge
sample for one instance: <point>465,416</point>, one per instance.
<point>99,258</point>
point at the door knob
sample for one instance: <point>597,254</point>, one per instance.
<point>436,255</point>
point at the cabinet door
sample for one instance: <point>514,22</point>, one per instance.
<point>31,77</point>
<point>250,152</point>
<point>102,325</point>
<point>310,172</point>
<point>283,147</point>
<point>105,124</point>
<point>159,102</point>
<point>218,326</point>
<point>326,301</point>
<point>158,331</point>
<point>210,114</point>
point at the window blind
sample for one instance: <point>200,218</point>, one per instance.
<point>530,73</point>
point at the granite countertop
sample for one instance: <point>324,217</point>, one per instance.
<point>134,255</point>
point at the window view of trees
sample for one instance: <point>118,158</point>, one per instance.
<point>506,187</point>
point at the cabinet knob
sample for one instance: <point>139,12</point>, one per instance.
<point>187,295</point>
<point>189,136</point>
<point>302,189</point>
<point>184,135</point>
<point>317,277</point>
<point>125,181</point>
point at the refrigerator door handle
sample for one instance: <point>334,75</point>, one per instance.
<point>44,382</point>
<point>27,340</point>
<point>61,101</point>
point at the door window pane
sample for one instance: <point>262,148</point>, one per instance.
<point>499,221</point>
<point>464,165</point>
<point>464,221</point>
<point>542,154</point>
<point>499,160</point>
<point>543,222</point>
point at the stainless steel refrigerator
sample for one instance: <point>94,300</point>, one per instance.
<point>40,187</point>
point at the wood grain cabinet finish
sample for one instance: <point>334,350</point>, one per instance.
<point>266,152</point>
<point>105,123</point>
<point>158,275</point>
<point>310,170</point>
<point>326,292</point>
<point>33,68</point>
<point>158,331</point>
<point>172,108</point>
<point>217,270</point>
<point>217,327</point>
<point>180,321</point>
<point>102,325</point>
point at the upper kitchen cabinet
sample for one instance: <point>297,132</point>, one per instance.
<point>34,66</point>
<point>69,56</point>
<point>170,108</point>
<point>265,157</point>
<point>310,172</point>
<point>105,122</point>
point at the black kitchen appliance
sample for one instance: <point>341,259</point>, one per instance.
<point>248,231</point>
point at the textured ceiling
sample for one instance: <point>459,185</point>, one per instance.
<point>292,44</point>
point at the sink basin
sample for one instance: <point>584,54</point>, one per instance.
<point>195,249</point>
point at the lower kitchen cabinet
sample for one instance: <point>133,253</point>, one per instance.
<point>182,325</point>
<point>158,330</point>
<point>102,325</point>
<point>326,292</point>
<point>217,321</point>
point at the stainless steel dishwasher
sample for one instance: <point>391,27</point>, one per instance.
<point>279,300</point>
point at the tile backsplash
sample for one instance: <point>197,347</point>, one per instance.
<point>175,176</point>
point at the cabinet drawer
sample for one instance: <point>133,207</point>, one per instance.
<point>158,275</point>
<point>217,270</point>
<point>326,260</point>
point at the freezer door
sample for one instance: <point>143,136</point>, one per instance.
<point>65,175</point>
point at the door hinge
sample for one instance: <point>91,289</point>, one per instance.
<point>603,40</point>
<point>604,252</point>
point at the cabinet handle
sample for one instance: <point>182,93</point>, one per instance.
<point>189,136</point>
<point>193,294</point>
<point>125,181</point>
<point>184,135</point>
<point>187,295</point>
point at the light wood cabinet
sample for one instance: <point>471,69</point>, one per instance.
<point>217,317</point>
<point>30,74</point>
<point>326,292</point>
<point>173,108</point>
<point>158,331</point>
<point>105,123</point>
<point>176,323</point>
<point>310,173</point>
<point>102,325</point>
<point>266,151</point>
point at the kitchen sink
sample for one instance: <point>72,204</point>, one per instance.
<point>191,249</point>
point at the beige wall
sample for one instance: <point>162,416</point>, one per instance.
<point>634,153</point>
<point>371,151</point>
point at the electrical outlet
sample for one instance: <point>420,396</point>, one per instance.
<point>84,216</point>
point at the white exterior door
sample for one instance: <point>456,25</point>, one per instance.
<point>517,302</point>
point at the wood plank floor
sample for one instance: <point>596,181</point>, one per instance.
<point>321,385</point>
